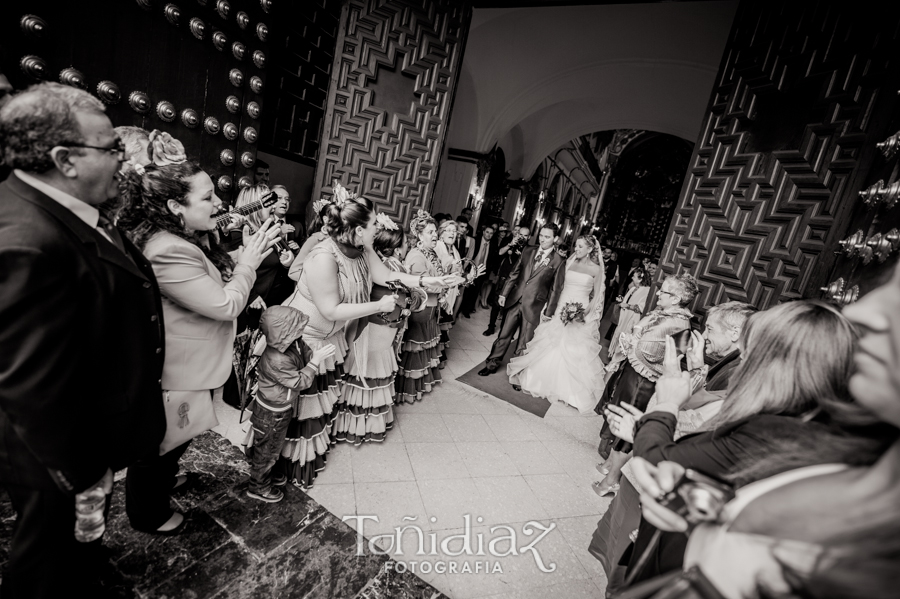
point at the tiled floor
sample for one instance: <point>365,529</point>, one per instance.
<point>461,452</point>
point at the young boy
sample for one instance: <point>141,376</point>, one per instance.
<point>286,367</point>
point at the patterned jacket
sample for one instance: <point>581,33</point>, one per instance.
<point>645,346</point>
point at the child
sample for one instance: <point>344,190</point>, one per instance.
<point>286,366</point>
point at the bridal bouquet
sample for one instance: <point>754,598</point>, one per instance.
<point>572,312</point>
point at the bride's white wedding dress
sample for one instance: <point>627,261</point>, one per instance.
<point>563,362</point>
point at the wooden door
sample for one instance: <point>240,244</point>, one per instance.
<point>804,92</point>
<point>396,66</point>
<point>193,68</point>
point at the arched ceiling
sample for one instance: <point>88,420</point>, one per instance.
<point>534,78</point>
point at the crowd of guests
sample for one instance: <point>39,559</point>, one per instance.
<point>133,299</point>
<point>786,417</point>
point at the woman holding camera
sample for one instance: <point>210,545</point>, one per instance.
<point>790,387</point>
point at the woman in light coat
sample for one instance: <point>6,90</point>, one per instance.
<point>169,212</point>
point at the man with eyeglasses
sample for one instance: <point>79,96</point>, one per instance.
<point>81,338</point>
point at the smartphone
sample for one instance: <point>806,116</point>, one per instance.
<point>683,342</point>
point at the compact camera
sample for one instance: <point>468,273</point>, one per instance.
<point>697,497</point>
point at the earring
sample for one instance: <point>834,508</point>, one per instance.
<point>181,220</point>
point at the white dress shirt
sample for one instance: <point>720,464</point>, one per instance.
<point>541,255</point>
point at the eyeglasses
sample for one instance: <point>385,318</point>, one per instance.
<point>118,150</point>
<point>666,292</point>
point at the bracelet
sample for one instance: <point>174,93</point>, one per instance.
<point>421,277</point>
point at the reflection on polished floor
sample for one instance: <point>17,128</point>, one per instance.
<point>521,483</point>
<point>461,452</point>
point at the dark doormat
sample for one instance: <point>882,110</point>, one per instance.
<point>498,385</point>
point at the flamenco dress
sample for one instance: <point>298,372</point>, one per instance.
<point>318,409</point>
<point>420,355</point>
<point>366,412</point>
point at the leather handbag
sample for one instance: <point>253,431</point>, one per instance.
<point>188,414</point>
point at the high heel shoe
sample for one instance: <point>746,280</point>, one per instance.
<point>602,468</point>
<point>602,489</point>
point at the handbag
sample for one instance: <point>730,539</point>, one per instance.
<point>188,414</point>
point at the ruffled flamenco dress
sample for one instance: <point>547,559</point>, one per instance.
<point>320,412</point>
<point>371,366</point>
<point>420,352</point>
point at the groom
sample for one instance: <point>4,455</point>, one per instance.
<point>529,296</point>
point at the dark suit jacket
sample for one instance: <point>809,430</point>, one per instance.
<point>81,347</point>
<point>535,287</point>
<point>493,254</point>
<point>715,453</point>
<point>720,372</point>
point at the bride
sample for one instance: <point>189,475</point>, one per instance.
<point>563,362</point>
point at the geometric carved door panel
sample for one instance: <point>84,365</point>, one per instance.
<point>395,71</point>
<point>788,140</point>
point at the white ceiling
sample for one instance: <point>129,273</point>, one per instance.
<point>534,78</point>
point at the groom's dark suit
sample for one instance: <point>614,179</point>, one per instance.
<point>532,288</point>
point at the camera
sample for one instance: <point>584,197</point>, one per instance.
<point>697,497</point>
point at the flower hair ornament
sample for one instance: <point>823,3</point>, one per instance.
<point>383,221</point>
<point>318,205</point>
<point>341,194</point>
<point>163,150</point>
<point>421,215</point>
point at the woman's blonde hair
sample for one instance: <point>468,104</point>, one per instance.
<point>248,195</point>
<point>592,243</point>
<point>446,225</point>
<point>795,358</point>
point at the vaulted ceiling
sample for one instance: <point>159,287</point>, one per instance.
<point>535,78</point>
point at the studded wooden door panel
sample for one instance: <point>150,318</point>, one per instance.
<point>396,67</point>
<point>804,92</point>
<point>193,68</point>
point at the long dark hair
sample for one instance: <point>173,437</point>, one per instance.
<point>145,212</point>
<point>645,276</point>
<point>388,240</point>
<point>343,220</point>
